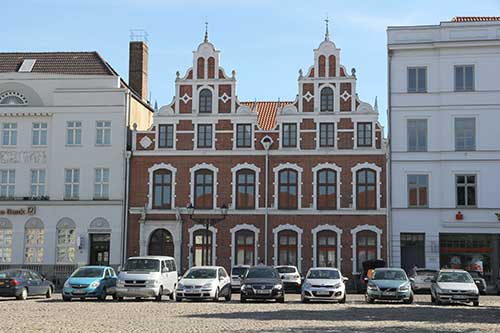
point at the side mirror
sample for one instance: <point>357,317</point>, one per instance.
<point>412,280</point>
<point>365,279</point>
<point>345,279</point>
<point>164,270</point>
<point>221,278</point>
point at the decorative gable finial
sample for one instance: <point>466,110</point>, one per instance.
<point>206,31</point>
<point>327,32</point>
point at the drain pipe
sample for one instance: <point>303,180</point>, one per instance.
<point>389,162</point>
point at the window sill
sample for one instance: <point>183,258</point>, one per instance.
<point>70,145</point>
<point>71,199</point>
<point>417,92</point>
<point>103,145</point>
<point>101,199</point>
<point>39,146</point>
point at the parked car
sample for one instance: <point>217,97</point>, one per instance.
<point>422,279</point>
<point>454,286</point>
<point>204,282</point>
<point>290,276</point>
<point>324,284</point>
<point>21,283</point>
<point>236,273</point>
<point>262,282</point>
<point>89,282</point>
<point>148,276</point>
<point>479,280</point>
<point>389,284</point>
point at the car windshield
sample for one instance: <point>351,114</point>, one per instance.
<point>262,273</point>
<point>475,275</point>
<point>238,271</point>
<point>389,275</point>
<point>91,272</point>
<point>201,273</point>
<point>284,270</point>
<point>323,274</point>
<point>426,273</point>
<point>143,265</point>
<point>459,277</point>
<point>10,274</point>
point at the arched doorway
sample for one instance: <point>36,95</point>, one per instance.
<point>161,243</point>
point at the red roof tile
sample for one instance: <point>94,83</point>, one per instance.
<point>79,63</point>
<point>475,18</point>
<point>266,112</point>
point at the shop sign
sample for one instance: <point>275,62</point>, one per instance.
<point>30,210</point>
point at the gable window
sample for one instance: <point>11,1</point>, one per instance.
<point>9,134</point>
<point>203,189</point>
<point>101,184</point>
<point>464,78</point>
<point>327,249</point>
<point>366,196</point>
<point>74,133</point>
<point>103,133</point>
<point>289,135</point>
<point>162,189</point>
<point>204,136</point>
<point>39,134</point>
<point>245,189</point>
<point>205,101</point>
<point>417,79</point>
<point>7,183</point>
<point>465,134</point>
<point>288,194</point>
<point>37,183</point>
<point>327,135</point>
<point>165,136</point>
<point>244,136</point>
<point>287,248</point>
<point>245,247</point>
<point>364,134</point>
<point>327,189</point>
<point>327,99</point>
<point>71,184</point>
<point>417,134</point>
<point>466,190</point>
<point>418,189</point>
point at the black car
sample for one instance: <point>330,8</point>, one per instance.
<point>262,283</point>
<point>21,283</point>
<point>479,280</point>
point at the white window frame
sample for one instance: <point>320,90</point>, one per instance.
<point>151,172</point>
<point>38,187</point>
<point>9,186</point>
<point>6,235</point>
<point>37,129</point>
<point>299,232</point>
<point>276,171</point>
<point>327,227</point>
<point>9,134</point>
<point>212,147</point>
<point>354,170</point>
<point>192,172</point>
<point>191,231</point>
<point>329,166</point>
<point>234,246</point>
<point>101,184</point>
<point>354,232</point>
<point>66,225</point>
<point>426,134</point>
<point>35,226</point>
<point>72,129</point>
<point>476,131</point>
<point>103,131</point>
<point>72,184</point>
<point>234,171</point>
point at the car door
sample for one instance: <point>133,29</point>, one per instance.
<point>107,278</point>
<point>164,275</point>
<point>35,282</point>
<point>113,278</point>
<point>224,281</point>
<point>172,274</point>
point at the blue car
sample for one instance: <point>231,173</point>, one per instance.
<point>90,281</point>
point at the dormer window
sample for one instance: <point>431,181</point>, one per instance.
<point>327,99</point>
<point>205,101</point>
<point>12,98</point>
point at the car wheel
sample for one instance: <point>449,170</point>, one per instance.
<point>342,301</point>
<point>409,300</point>
<point>433,299</point>
<point>216,296</point>
<point>228,296</point>
<point>475,303</point>
<point>23,295</point>
<point>103,295</point>
<point>119,298</point>
<point>171,296</point>
<point>66,298</point>
<point>281,299</point>
<point>82,299</point>
<point>114,297</point>
<point>160,293</point>
<point>369,299</point>
<point>178,299</point>
<point>243,299</point>
<point>305,300</point>
<point>49,292</point>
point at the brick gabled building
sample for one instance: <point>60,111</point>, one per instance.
<point>325,172</point>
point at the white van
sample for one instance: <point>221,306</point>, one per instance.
<point>149,276</point>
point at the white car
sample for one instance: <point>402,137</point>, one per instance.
<point>290,276</point>
<point>422,279</point>
<point>149,276</point>
<point>237,272</point>
<point>454,286</point>
<point>324,283</point>
<point>204,282</point>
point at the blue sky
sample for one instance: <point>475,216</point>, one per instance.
<point>265,41</point>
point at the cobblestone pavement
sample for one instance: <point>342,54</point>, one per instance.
<point>40,314</point>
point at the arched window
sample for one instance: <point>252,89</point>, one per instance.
<point>322,66</point>
<point>245,247</point>
<point>331,66</point>
<point>10,98</point>
<point>288,186</point>
<point>203,189</point>
<point>366,193</point>
<point>205,101</point>
<point>211,68</point>
<point>66,241</point>
<point>202,250</point>
<point>287,248</point>
<point>5,241</point>
<point>327,189</point>
<point>161,243</point>
<point>327,249</point>
<point>366,247</point>
<point>162,189</point>
<point>326,99</point>
<point>34,236</point>
<point>200,73</point>
<point>245,189</point>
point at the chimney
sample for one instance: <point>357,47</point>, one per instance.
<point>138,68</point>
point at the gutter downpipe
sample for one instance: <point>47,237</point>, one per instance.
<point>127,182</point>
<point>266,215</point>
<point>389,161</point>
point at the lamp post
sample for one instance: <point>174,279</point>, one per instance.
<point>207,222</point>
<point>266,143</point>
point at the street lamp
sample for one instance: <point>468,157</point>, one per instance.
<point>266,143</point>
<point>207,222</point>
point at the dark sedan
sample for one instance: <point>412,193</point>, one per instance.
<point>479,280</point>
<point>21,283</point>
<point>262,283</point>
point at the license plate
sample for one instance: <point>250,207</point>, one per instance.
<point>193,291</point>
<point>262,291</point>
<point>79,292</point>
<point>389,293</point>
<point>323,293</point>
<point>459,297</point>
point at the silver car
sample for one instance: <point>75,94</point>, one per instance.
<point>454,286</point>
<point>423,279</point>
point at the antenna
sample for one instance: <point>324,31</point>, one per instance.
<point>139,35</point>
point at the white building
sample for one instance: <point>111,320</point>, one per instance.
<point>64,120</point>
<point>444,104</point>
